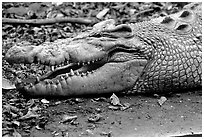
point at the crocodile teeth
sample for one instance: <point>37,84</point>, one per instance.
<point>57,82</point>
<point>37,79</point>
<point>88,63</point>
<point>61,78</point>
<point>77,72</point>
<point>52,68</point>
<point>78,63</point>
<point>83,74</point>
<point>67,75</point>
<point>71,72</point>
<point>46,82</point>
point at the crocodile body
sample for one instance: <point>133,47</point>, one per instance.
<point>157,56</point>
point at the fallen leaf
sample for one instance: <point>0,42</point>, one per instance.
<point>16,134</point>
<point>16,123</point>
<point>7,85</point>
<point>113,107</point>
<point>36,108</point>
<point>67,118</point>
<point>57,3</point>
<point>13,115</point>
<point>102,13</point>
<point>115,100</point>
<point>58,102</point>
<point>125,106</point>
<point>132,11</point>
<point>38,128</point>
<point>100,99</point>
<point>30,114</point>
<point>20,11</point>
<point>162,100</point>
<point>11,108</point>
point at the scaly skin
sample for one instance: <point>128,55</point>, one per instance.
<point>159,56</point>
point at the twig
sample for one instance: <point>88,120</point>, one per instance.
<point>144,12</point>
<point>47,21</point>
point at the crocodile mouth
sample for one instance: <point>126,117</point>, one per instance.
<point>80,69</point>
<point>76,77</point>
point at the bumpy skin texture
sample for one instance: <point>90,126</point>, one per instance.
<point>158,56</point>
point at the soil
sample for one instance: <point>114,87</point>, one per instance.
<point>181,114</point>
<point>93,116</point>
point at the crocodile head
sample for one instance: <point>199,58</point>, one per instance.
<point>106,59</point>
<point>160,55</point>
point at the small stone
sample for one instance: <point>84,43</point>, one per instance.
<point>89,131</point>
<point>45,101</point>
<point>58,102</point>
<point>178,95</point>
<point>94,118</point>
<point>108,134</point>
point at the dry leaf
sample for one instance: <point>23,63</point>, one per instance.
<point>45,101</point>
<point>125,106</point>
<point>30,114</point>
<point>115,100</point>
<point>162,100</point>
<point>102,13</point>
<point>113,107</point>
<point>16,134</point>
<point>38,128</point>
<point>16,123</point>
<point>6,84</point>
<point>67,118</point>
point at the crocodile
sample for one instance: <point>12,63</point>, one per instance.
<point>162,55</point>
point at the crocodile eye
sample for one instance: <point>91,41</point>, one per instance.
<point>185,14</point>
<point>122,28</point>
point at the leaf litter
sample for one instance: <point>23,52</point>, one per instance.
<point>20,115</point>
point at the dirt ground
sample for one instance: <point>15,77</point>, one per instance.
<point>181,114</point>
<point>92,116</point>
